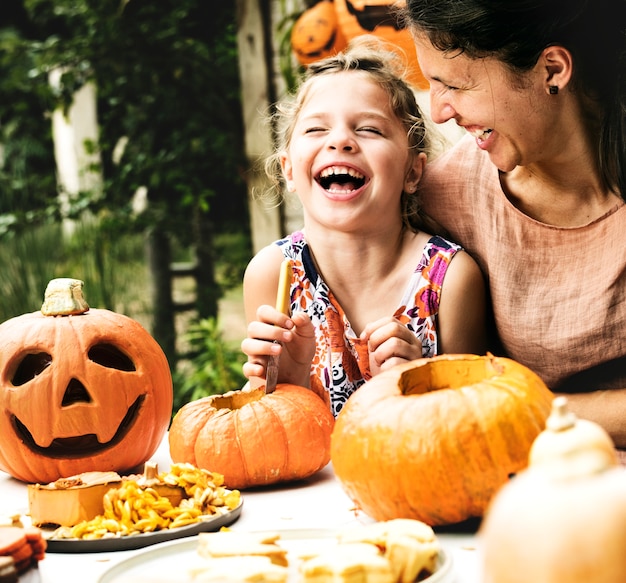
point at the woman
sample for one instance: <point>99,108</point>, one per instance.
<point>536,191</point>
<point>368,289</point>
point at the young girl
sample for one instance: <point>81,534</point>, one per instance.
<point>368,289</point>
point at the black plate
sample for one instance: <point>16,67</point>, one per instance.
<point>137,541</point>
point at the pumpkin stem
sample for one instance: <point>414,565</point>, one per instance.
<point>560,417</point>
<point>64,297</point>
<point>150,475</point>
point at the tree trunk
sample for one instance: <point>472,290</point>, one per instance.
<point>163,321</point>
<point>208,291</point>
<point>254,28</point>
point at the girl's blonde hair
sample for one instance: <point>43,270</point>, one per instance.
<point>386,67</point>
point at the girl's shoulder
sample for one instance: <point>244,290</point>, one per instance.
<point>438,244</point>
<point>293,246</point>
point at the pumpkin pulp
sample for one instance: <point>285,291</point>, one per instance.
<point>436,375</point>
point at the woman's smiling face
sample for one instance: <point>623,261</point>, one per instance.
<point>512,119</point>
<point>348,152</point>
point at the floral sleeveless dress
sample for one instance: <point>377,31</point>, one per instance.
<point>341,362</point>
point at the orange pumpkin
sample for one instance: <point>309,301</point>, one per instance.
<point>376,17</point>
<point>316,33</point>
<point>253,438</point>
<point>434,439</point>
<point>80,389</point>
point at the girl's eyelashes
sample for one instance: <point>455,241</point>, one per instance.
<point>371,129</point>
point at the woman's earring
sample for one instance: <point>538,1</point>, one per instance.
<point>554,89</point>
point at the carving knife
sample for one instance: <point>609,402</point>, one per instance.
<point>283,301</point>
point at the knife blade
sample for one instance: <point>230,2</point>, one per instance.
<point>283,301</point>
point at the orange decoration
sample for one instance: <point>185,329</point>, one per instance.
<point>316,34</point>
<point>253,438</point>
<point>376,17</point>
<point>359,17</point>
<point>434,439</point>
<point>80,390</point>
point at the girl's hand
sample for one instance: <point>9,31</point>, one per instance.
<point>274,333</point>
<point>390,343</point>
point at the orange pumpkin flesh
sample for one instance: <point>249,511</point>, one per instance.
<point>253,438</point>
<point>434,439</point>
<point>84,392</point>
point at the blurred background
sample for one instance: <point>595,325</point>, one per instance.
<point>131,140</point>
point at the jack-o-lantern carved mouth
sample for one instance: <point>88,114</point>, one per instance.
<point>81,445</point>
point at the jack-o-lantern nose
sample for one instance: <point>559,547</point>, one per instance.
<point>75,393</point>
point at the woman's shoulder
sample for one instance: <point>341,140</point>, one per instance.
<point>460,161</point>
<point>456,183</point>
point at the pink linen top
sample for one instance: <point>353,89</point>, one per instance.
<point>559,294</point>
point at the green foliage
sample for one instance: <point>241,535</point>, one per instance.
<point>27,166</point>
<point>167,81</point>
<point>29,260</point>
<point>214,367</point>
<point>110,263</point>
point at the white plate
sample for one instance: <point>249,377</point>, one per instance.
<point>170,561</point>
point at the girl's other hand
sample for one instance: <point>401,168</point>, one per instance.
<point>390,343</point>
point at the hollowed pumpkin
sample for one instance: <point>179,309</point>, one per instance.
<point>253,438</point>
<point>80,389</point>
<point>434,439</point>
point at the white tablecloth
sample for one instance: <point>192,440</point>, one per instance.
<point>315,503</point>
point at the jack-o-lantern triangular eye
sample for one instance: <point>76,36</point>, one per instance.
<point>29,367</point>
<point>110,356</point>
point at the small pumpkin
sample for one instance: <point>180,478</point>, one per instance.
<point>81,389</point>
<point>254,438</point>
<point>435,438</point>
<point>316,34</point>
<point>563,519</point>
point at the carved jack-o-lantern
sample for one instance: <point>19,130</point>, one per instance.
<point>377,17</point>
<point>316,33</point>
<point>80,389</point>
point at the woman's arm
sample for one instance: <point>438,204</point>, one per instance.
<point>606,408</point>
